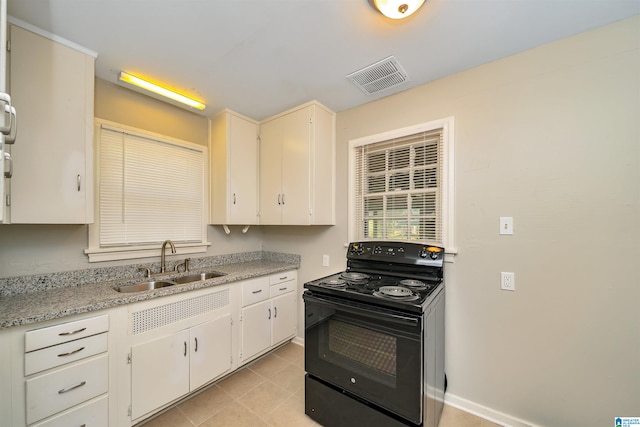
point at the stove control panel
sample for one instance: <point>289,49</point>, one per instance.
<point>396,252</point>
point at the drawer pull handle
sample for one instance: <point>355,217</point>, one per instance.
<point>185,349</point>
<point>62,334</point>
<point>269,313</point>
<point>71,352</point>
<point>196,340</point>
<point>283,289</point>
<point>275,309</point>
<point>282,278</point>
<point>257,292</point>
<point>64,390</point>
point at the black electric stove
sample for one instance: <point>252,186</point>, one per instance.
<point>396,275</point>
<point>374,338</point>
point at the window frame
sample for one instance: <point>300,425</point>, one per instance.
<point>95,252</point>
<point>447,176</point>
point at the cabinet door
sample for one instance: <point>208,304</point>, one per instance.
<point>284,320</point>
<point>243,171</point>
<point>52,88</point>
<point>295,167</point>
<point>271,134</point>
<point>210,351</point>
<point>159,372</point>
<point>256,329</point>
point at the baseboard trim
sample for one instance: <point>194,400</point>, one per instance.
<point>485,412</point>
<point>298,340</point>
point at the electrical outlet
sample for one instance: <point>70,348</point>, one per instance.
<point>325,260</point>
<point>508,281</point>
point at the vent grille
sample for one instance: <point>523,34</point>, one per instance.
<point>380,76</point>
<point>157,317</point>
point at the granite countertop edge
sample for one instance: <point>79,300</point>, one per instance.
<point>48,304</point>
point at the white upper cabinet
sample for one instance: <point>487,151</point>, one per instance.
<point>297,167</point>
<point>52,85</point>
<point>234,169</point>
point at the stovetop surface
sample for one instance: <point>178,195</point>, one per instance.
<point>398,292</point>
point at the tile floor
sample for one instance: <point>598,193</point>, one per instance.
<point>267,392</point>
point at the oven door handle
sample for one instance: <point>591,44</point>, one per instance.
<point>354,307</point>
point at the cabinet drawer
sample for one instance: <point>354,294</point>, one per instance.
<point>90,414</point>
<point>282,288</point>
<point>50,357</point>
<point>255,290</point>
<point>285,276</point>
<point>65,332</point>
<point>56,391</point>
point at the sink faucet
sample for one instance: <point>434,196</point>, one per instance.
<point>164,247</point>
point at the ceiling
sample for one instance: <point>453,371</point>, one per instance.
<point>261,57</point>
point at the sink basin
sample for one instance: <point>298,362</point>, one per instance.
<point>197,277</point>
<point>146,286</point>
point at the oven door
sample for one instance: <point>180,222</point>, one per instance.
<point>370,352</point>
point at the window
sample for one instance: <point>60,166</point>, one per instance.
<point>150,188</point>
<point>401,185</point>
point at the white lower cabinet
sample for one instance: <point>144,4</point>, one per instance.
<point>53,392</point>
<point>58,372</point>
<point>178,346</point>
<point>93,413</point>
<point>268,315</point>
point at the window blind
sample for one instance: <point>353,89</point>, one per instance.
<point>150,190</point>
<point>398,188</point>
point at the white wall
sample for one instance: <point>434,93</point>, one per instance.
<point>551,137</point>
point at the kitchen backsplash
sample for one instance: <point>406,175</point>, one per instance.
<point>11,286</point>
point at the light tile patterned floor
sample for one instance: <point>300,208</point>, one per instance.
<point>267,392</point>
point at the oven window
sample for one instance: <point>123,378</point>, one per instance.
<point>361,350</point>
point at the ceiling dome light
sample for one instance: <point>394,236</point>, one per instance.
<point>397,9</point>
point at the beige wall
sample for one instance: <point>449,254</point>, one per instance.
<point>32,249</point>
<point>552,138</point>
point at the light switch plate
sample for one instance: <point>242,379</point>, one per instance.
<point>506,225</point>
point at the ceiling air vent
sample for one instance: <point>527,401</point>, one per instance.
<point>380,76</point>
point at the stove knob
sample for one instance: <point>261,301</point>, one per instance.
<point>423,253</point>
<point>433,255</point>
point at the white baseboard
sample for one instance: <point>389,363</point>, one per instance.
<point>298,340</point>
<point>484,412</point>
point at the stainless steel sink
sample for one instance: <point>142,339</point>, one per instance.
<point>197,277</point>
<point>146,286</point>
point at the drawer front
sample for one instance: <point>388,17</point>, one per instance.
<point>90,414</point>
<point>255,290</point>
<point>65,332</point>
<point>50,357</point>
<point>51,393</point>
<point>282,288</point>
<point>285,276</point>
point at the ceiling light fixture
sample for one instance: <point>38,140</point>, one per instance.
<point>396,9</point>
<point>159,90</point>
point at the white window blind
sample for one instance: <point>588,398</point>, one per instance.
<point>150,190</point>
<point>398,188</point>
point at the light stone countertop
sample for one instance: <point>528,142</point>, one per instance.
<point>53,303</point>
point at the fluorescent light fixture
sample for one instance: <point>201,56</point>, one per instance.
<point>397,9</point>
<point>159,90</point>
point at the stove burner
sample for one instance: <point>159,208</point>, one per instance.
<point>334,283</point>
<point>415,284</point>
<point>353,276</point>
<point>397,293</point>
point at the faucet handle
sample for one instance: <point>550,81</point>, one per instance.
<point>184,263</point>
<point>147,269</point>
